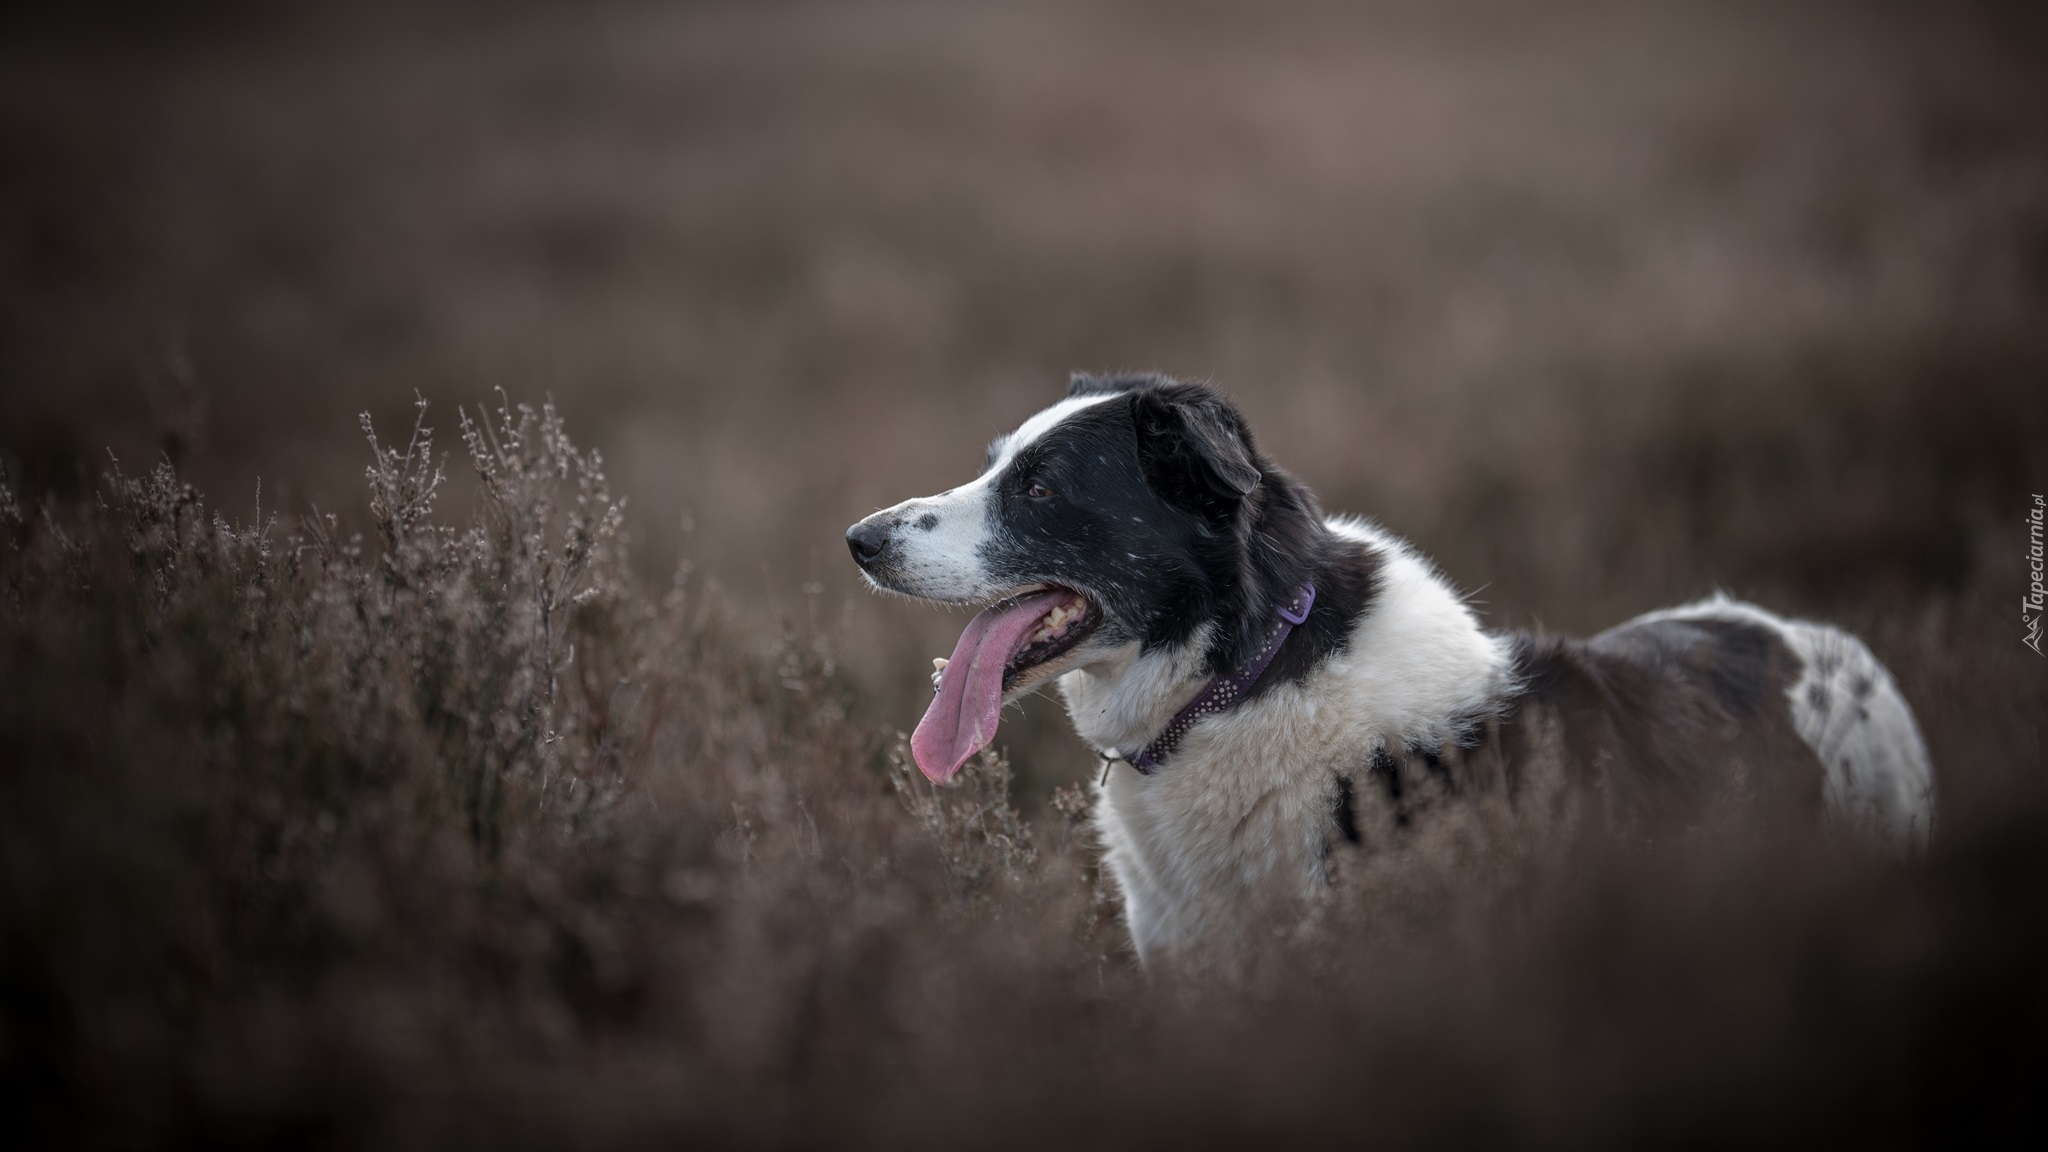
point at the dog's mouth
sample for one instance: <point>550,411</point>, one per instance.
<point>1072,619</point>
<point>1014,644</point>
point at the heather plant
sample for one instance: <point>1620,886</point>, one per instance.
<point>483,615</point>
<point>285,740</point>
<point>456,831</point>
<point>980,835</point>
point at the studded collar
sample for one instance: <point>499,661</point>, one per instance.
<point>1224,692</point>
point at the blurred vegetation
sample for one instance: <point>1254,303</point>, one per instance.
<point>463,832</point>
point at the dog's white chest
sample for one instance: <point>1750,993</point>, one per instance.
<point>1225,834</point>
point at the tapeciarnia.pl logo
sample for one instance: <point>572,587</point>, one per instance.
<point>2031,606</point>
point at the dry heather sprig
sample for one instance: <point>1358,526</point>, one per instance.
<point>402,484</point>
<point>445,651</point>
<point>984,841</point>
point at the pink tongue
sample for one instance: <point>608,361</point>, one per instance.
<point>962,718</point>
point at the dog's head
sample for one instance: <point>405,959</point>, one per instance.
<point>1113,518</point>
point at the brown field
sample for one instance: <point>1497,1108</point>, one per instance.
<point>400,828</point>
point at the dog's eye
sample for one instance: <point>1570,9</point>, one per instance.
<point>1037,491</point>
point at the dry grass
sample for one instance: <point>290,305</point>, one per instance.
<point>444,815</point>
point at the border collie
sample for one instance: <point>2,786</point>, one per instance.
<point>1251,664</point>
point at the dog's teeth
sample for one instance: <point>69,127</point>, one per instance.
<point>939,663</point>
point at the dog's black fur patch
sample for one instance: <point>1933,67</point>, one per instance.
<point>1347,812</point>
<point>1657,724</point>
<point>1675,718</point>
<point>1164,512</point>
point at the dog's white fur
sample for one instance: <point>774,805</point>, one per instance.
<point>1247,795</point>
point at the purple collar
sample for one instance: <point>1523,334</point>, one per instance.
<point>1224,692</point>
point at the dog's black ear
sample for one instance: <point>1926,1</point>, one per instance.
<point>1194,448</point>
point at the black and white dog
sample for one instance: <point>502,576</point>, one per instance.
<point>1252,663</point>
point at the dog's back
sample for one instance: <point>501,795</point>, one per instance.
<point>1730,676</point>
<point>1673,720</point>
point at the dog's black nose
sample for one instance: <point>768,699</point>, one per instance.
<point>867,540</point>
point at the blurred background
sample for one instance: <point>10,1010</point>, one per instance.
<point>1602,304</point>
